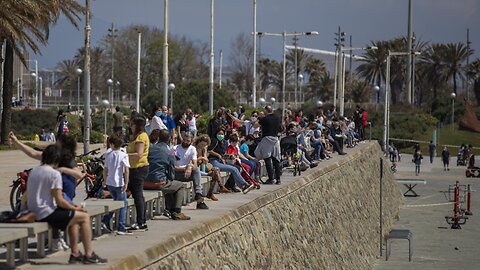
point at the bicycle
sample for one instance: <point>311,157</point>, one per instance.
<point>19,185</point>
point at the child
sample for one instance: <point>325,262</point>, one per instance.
<point>115,175</point>
<point>232,150</point>
<point>250,161</point>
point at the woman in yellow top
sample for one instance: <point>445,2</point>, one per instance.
<point>137,153</point>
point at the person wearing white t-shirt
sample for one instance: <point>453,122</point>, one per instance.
<point>186,168</point>
<point>115,175</point>
<point>192,122</point>
<point>156,122</point>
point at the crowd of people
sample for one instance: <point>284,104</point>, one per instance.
<point>162,153</point>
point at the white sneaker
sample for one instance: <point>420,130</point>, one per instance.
<point>57,244</point>
<point>124,233</point>
<point>64,244</point>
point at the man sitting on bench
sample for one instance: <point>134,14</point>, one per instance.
<point>44,198</point>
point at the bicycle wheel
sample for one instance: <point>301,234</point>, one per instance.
<point>15,194</point>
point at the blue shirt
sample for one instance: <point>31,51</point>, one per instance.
<point>244,149</point>
<point>168,121</point>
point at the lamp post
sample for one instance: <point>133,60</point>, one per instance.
<point>386,122</point>
<point>35,75</point>
<point>86,79</point>
<point>79,72</point>
<point>376,88</point>
<point>341,77</point>
<point>165,54</point>
<point>254,72</point>
<point>284,36</point>
<point>110,84</point>
<point>300,77</point>
<point>105,105</point>
<point>453,96</point>
<point>137,99</point>
<point>319,104</point>
<point>117,86</point>
<point>171,87</point>
<point>40,91</point>
<point>212,58</point>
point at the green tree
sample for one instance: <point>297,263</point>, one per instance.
<point>454,55</point>
<point>474,74</point>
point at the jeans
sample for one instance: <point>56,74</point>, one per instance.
<point>231,169</point>
<point>317,146</point>
<point>117,195</point>
<point>195,176</point>
<point>252,165</point>
<point>137,177</point>
<point>174,193</point>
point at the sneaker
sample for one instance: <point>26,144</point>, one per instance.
<point>64,244</point>
<point>57,244</point>
<point>94,259</point>
<point>75,259</point>
<point>106,227</point>
<point>199,198</point>
<point>138,228</point>
<point>126,232</point>
<point>268,182</point>
<point>180,216</point>
<point>202,205</point>
<point>313,165</point>
<point>247,188</point>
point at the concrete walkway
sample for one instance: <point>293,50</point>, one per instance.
<point>435,245</point>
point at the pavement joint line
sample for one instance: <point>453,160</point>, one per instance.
<point>425,205</point>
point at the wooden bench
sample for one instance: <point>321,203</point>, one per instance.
<point>9,236</point>
<point>39,230</point>
<point>400,234</point>
<point>410,184</point>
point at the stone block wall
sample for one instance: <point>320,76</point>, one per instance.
<point>326,220</point>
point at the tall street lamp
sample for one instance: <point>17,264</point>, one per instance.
<point>254,72</point>
<point>212,58</point>
<point>105,105</point>
<point>284,35</point>
<point>272,99</point>
<point>341,80</point>
<point>300,78</point>
<point>453,96</point>
<point>79,72</point>
<point>40,91</point>
<point>165,54</point>
<point>35,75</point>
<point>110,84</point>
<point>386,122</point>
<point>171,87</point>
<point>376,88</point>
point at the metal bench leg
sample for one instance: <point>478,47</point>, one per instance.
<point>388,249</point>
<point>98,226</point>
<point>410,249</point>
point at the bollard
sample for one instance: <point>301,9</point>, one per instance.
<point>468,212</point>
<point>456,207</point>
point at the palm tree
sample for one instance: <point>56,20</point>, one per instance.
<point>25,24</point>
<point>474,73</point>
<point>432,68</point>
<point>454,56</point>
<point>68,75</point>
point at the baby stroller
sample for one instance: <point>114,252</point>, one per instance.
<point>290,155</point>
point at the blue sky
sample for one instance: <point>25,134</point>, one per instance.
<point>442,21</point>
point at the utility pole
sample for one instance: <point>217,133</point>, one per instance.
<point>86,110</point>
<point>409,46</point>
<point>350,67</point>
<point>212,57</point>
<point>220,70</point>
<point>254,72</point>
<point>112,35</point>
<point>295,43</point>
<point>339,70</point>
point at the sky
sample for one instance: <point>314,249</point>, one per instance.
<point>437,21</point>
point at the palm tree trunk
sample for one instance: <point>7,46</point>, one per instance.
<point>455,83</point>
<point>7,94</point>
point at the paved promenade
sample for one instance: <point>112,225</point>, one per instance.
<point>435,245</point>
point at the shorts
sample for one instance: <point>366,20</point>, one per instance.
<point>60,218</point>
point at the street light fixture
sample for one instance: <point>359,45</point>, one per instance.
<point>284,35</point>
<point>319,104</point>
<point>262,101</point>
<point>171,87</point>
<point>376,88</point>
<point>79,72</point>
<point>110,84</point>
<point>300,77</point>
<point>272,99</point>
<point>34,74</point>
<point>40,91</point>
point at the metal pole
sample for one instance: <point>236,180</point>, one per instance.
<point>40,92</point>
<point>78,94</point>
<point>381,206</point>
<point>21,80</point>
<point>165,54</point>
<point>409,46</point>
<point>254,83</point>
<point>220,70</point>
<point>86,117</point>
<point>284,35</point>
<point>385,115</point>
<point>36,84</point>
<point>342,97</point>
<point>350,67</point>
<point>137,103</point>
<point>105,120</point>
<point>468,62</point>
<point>453,113</point>
<point>335,86</point>
<point>212,58</point>
<point>295,38</point>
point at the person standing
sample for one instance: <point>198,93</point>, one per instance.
<point>446,159</point>
<point>417,159</point>
<point>61,123</point>
<point>115,175</point>
<point>118,122</point>
<point>137,150</point>
<point>269,147</point>
<point>431,151</point>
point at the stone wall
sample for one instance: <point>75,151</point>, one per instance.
<point>326,220</point>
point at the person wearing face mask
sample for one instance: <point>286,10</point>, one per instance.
<point>156,122</point>
<point>216,151</point>
<point>182,126</point>
<point>186,168</point>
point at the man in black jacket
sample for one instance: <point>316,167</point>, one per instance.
<point>269,147</point>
